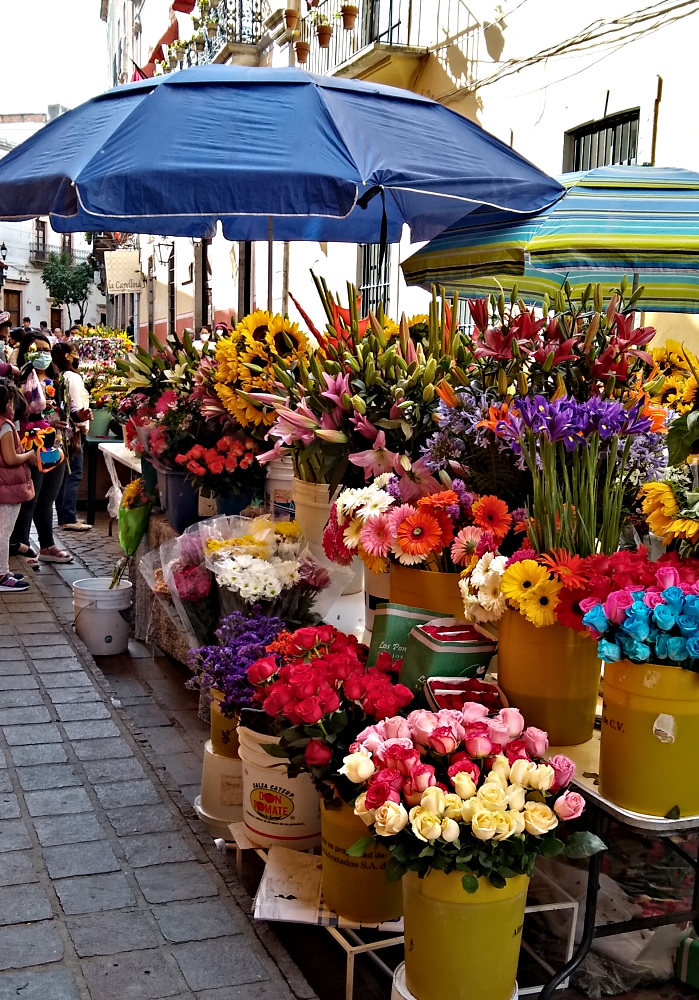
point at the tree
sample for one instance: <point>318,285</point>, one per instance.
<point>67,282</point>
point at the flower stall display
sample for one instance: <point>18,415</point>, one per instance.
<point>192,586</point>
<point>648,636</point>
<point>316,688</point>
<point>424,543</point>
<point>227,468</point>
<point>101,345</point>
<point>221,670</point>
<point>465,803</point>
<point>267,563</point>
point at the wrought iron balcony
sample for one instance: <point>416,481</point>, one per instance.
<point>230,23</point>
<point>443,28</point>
<point>39,253</point>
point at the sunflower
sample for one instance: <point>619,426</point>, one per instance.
<point>672,391</point>
<point>255,327</point>
<point>689,396</point>
<point>662,511</point>
<point>491,514</point>
<point>568,568</point>
<point>521,577</point>
<point>419,534</point>
<point>246,414</point>
<point>286,338</point>
<point>227,361</point>
<point>539,606</point>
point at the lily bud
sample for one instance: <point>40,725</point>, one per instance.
<point>428,393</point>
<point>346,401</point>
<point>502,382</point>
<point>358,405</point>
<point>405,462</point>
<point>522,384</point>
<point>591,332</point>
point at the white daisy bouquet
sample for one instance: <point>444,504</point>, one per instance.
<point>484,601</point>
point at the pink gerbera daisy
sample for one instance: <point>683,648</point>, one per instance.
<point>465,543</point>
<point>375,536</point>
<point>396,516</point>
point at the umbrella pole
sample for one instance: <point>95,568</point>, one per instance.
<point>270,248</point>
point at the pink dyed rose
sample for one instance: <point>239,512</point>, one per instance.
<point>395,727</point>
<point>514,720</point>
<point>652,599</point>
<point>388,753</point>
<point>569,806</point>
<point>564,769</point>
<point>422,777</point>
<point>442,740</point>
<point>388,776</point>
<point>370,739</point>
<point>497,731</point>
<point>379,793</point>
<point>516,750</point>
<point>422,723</point>
<point>588,603</point>
<point>617,604</point>
<point>472,711</point>
<point>667,576</point>
<point>478,742</point>
<point>536,741</point>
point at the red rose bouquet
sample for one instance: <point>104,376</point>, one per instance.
<point>316,689</point>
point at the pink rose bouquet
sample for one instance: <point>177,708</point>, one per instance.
<point>464,790</point>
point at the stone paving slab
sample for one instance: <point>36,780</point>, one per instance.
<point>105,891</point>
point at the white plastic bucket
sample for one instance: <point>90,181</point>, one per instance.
<point>356,581</point>
<point>277,811</point>
<point>99,618</point>
<point>279,487</point>
<point>312,509</point>
<point>221,787</point>
<point>377,590</point>
<point>401,992</point>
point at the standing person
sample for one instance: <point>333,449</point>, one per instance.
<point>77,409</point>
<point>16,485</point>
<point>129,328</point>
<point>38,378</point>
<point>13,340</point>
<point>26,324</point>
<point>57,334</point>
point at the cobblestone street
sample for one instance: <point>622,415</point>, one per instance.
<point>110,889</point>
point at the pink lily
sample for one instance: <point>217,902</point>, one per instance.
<point>336,387</point>
<point>274,453</point>
<point>364,426</point>
<point>376,460</point>
<point>417,481</point>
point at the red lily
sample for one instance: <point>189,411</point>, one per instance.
<point>479,313</point>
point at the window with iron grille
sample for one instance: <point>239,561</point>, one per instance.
<point>374,280</point>
<point>613,139</point>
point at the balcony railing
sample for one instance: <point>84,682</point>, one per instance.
<point>420,24</point>
<point>39,253</point>
<point>232,22</point>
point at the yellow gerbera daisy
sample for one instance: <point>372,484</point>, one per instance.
<point>539,606</point>
<point>522,577</point>
<point>373,563</point>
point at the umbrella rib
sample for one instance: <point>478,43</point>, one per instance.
<point>471,201</point>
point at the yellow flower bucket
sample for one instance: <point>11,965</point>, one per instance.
<point>650,735</point>
<point>551,675</point>
<point>460,946</point>
<point>356,888</point>
<point>419,588</point>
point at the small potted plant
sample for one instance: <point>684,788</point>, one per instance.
<point>302,48</point>
<point>348,12</point>
<point>196,23</point>
<point>199,42</point>
<point>291,18</point>
<point>204,6</point>
<point>211,27</point>
<point>180,50</point>
<point>324,29</point>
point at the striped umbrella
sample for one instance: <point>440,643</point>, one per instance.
<point>638,221</point>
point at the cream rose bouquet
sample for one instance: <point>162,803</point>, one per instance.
<point>464,790</point>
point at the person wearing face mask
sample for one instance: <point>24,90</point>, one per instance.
<point>77,409</point>
<point>39,381</point>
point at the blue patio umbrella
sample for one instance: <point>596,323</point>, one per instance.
<point>638,221</point>
<point>265,150</point>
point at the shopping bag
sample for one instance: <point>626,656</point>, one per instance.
<point>393,624</point>
<point>445,647</point>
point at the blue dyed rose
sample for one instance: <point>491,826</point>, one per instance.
<point>664,616</point>
<point>688,625</point>
<point>637,627</point>
<point>597,620</point>
<point>674,597</point>
<point>677,648</point>
<point>637,651</point>
<point>661,646</point>
<point>691,605</point>
<point>608,651</point>
<point>693,647</point>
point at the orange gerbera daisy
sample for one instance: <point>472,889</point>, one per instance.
<point>491,514</point>
<point>566,567</point>
<point>444,522</point>
<point>419,534</point>
<point>439,501</point>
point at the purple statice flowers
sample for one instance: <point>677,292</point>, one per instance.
<point>242,638</point>
<point>447,447</point>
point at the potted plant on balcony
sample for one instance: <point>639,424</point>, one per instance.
<point>211,27</point>
<point>291,18</point>
<point>204,6</point>
<point>180,50</point>
<point>348,12</point>
<point>324,29</point>
<point>199,42</point>
<point>302,48</point>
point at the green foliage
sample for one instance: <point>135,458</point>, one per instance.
<point>583,844</point>
<point>67,282</point>
<point>683,437</point>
